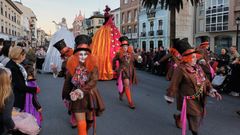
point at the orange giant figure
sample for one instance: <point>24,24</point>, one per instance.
<point>105,45</point>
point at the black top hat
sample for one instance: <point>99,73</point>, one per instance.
<point>84,47</point>
<point>174,42</point>
<point>182,45</point>
<point>82,39</point>
<point>1,40</point>
<point>124,40</point>
<point>60,45</point>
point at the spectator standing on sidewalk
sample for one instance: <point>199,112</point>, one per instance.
<point>6,101</point>
<point>234,53</point>
<point>40,54</point>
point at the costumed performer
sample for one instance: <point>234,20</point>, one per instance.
<point>203,48</point>
<point>126,72</point>
<point>80,86</point>
<point>65,52</point>
<point>191,87</point>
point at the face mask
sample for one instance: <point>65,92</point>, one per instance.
<point>194,60</point>
<point>82,56</point>
<point>125,48</point>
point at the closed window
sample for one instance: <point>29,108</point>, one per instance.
<point>123,18</point>
<point>160,23</point>
<point>151,25</point>
<point>144,27</point>
<point>129,16</point>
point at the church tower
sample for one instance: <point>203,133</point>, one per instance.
<point>79,26</point>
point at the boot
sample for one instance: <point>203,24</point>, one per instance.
<point>177,118</point>
<point>194,133</point>
<point>120,96</point>
<point>73,121</point>
<point>238,112</point>
<point>129,98</point>
<point>82,127</point>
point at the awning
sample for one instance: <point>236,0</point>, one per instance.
<point>5,37</point>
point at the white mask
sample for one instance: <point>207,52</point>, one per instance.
<point>194,59</point>
<point>82,56</point>
<point>125,48</point>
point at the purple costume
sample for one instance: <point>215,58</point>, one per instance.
<point>30,102</point>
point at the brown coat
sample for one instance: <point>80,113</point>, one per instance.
<point>92,99</point>
<point>127,68</point>
<point>183,84</point>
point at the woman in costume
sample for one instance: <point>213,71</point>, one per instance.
<point>53,56</point>
<point>126,71</point>
<point>80,86</point>
<point>191,87</point>
<point>105,45</point>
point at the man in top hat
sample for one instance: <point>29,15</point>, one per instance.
<point>204,61</point>
<point>126,72</point>
<point>190,87</point>
<point>65,52</point>
<point>82,70</point>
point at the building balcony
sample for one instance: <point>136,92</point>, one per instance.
<point>159,32</point>
<point>132,35</point>
<point>151,13</point>
<point>91,34</point>
<point>143,34</point>
<point>151,33</point>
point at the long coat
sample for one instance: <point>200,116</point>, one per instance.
<point>92,100</point>
<point>126,66</point>
<point>183,84</point>
<point>19,85</point>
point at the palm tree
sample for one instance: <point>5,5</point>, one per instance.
<point>172,6</point>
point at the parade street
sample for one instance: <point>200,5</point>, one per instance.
<point>152,116</point>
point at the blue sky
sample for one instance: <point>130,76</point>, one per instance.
<point>53,10</point>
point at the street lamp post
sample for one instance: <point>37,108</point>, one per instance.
<point>237,22</point>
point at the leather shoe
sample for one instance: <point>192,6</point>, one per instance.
<point>132,106</point>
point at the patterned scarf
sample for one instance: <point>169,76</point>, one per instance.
<point>24,72</point>
<point>80,77</point>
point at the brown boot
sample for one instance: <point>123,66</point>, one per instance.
<point>177,118</point>
<point>121,96</point>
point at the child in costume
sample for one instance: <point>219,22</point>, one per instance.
<point>32,105</point>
